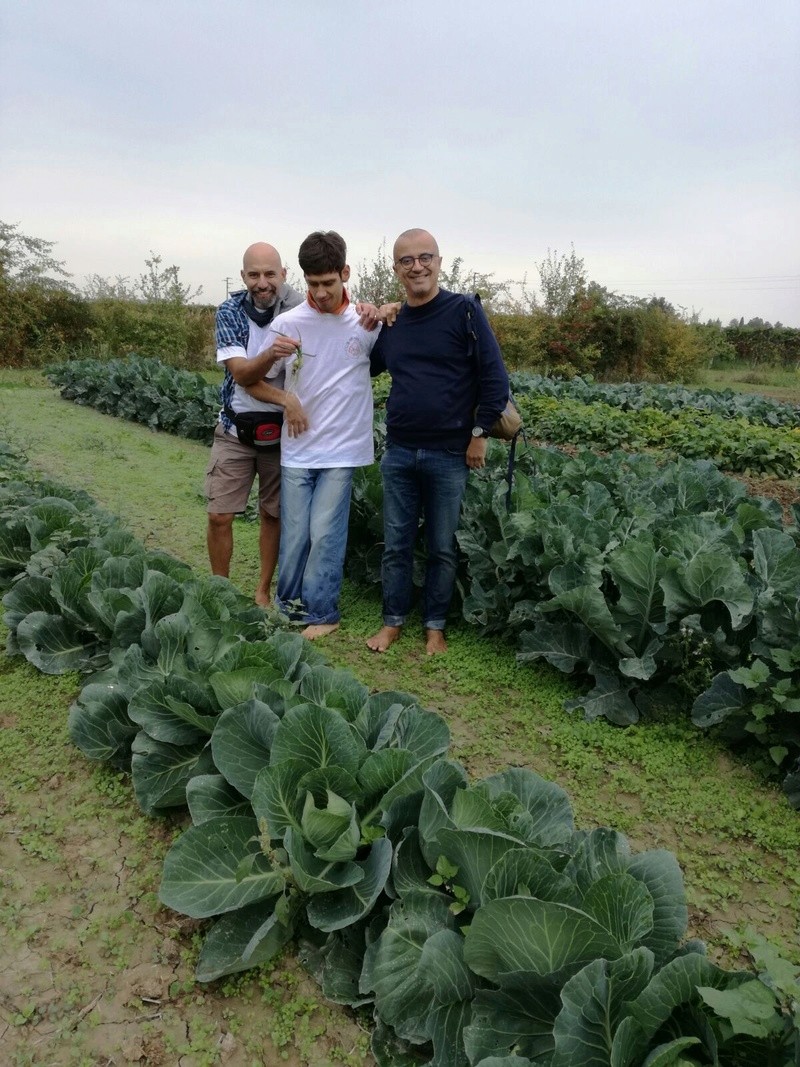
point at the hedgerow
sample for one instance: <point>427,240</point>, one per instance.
<point>474,920</point>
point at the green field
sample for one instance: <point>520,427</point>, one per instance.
<point>72,832</point>
<point>783,383</point>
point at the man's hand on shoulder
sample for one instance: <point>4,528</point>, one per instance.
<point>367,315</point>
<point>387,313</point>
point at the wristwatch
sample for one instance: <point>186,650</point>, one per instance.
<point>478,431</point>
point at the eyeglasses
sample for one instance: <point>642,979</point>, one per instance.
<point>407,262</point>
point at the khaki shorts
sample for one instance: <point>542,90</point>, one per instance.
<point>232,470</point>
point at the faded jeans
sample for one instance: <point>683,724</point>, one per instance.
<point>416,482</point>
<point>315,508</point>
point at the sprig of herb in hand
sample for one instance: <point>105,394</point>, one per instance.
<point>298,363</point>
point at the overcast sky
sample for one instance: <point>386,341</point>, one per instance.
<point>661,139</point>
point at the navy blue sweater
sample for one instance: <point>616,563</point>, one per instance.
<point>436,385</point>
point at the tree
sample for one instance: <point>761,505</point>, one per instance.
<point>162,285</point>
<point>41,312</point>
<point>28,260</point>
<point>561,277</point>
<point>96,287</point>
<point>377,282</point>
<point>495,295</point>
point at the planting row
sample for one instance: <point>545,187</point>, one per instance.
<point>181,402</point>
<point>631,396</point>
<point>662,583</point>
<point>144,390</point>
<point>658,581</point>
<point>733,444</point>
<point>478,924</point>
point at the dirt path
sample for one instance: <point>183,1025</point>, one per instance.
<point>94,970</point>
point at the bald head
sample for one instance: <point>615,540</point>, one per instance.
<point>260,252</point>
<point>417,235</point>
<point>263,273</point>
<point>418,276</point>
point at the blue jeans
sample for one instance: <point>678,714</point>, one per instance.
<point>315,508</point>
<point>416,482</point>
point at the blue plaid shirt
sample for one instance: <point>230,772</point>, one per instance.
<point>233,331</point>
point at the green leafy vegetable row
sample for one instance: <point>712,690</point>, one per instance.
<point>661,582</point>
<point>181,402</point>
<point>142,390</point>
<point>733,444</point>
<point>481,927</point>
<point>634,396</point>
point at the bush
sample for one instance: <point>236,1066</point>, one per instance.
<point>522,340</point>
<point>613,337</point>
<point>765,344</point>
<point>39,325</point>
<point>182,336</point>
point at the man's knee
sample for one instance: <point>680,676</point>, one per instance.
<point>219,522</point>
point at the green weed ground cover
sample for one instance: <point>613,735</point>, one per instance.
<point>662,783</point>
<point>783,383</point>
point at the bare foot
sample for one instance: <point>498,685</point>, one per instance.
<point>319,629</point>
<point>386,636</point>
<point>435,642</point>
<point>262,599</point>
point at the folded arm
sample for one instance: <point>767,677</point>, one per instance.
<point>294,416</point>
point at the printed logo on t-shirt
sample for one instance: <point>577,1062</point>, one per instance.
<point>354,346</point>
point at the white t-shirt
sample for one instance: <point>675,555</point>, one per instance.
<point>332,383</point>
<point>256,343</point>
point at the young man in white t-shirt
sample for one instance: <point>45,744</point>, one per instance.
<point>329,376</point>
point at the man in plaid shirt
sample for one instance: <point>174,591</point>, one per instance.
<point>241,329</point>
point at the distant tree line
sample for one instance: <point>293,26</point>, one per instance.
<point>575,326</point>
<point>45,317</point>
<point>564,326</point>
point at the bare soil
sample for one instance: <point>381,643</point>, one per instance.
<point>94,971</point>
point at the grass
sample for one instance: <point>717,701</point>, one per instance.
<point>782,383</point>
<point>661,782</point>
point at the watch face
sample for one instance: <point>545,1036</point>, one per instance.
<point>477,431</point>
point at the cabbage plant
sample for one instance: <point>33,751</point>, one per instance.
<point>317,779</point>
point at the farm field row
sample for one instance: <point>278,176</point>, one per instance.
<point>663,785</point>
<point>739,434</point>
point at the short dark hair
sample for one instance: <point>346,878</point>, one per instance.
<point>322,252</point>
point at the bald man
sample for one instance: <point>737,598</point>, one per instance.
<point>247,435</point>
<point>441,405</point>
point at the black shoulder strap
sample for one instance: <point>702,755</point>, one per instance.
<point>470,303</point>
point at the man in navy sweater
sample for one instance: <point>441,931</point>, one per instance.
<point>435,436</point>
